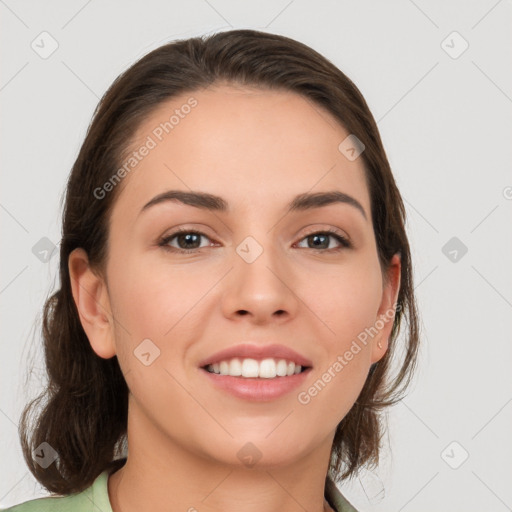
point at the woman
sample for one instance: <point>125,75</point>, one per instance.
<point>234,272</point>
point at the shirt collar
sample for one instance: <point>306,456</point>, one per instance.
<point>337,501</point>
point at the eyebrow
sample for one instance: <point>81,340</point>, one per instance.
<point>302,202</point>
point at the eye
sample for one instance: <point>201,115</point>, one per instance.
<point>321,240</point>
<point>188,241</point>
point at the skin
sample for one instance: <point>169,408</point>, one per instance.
<point>257,149</point>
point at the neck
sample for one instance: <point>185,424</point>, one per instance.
<point>161,474</point>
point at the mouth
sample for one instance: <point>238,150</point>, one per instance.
<point>255,380</point>
<point>256,372</point>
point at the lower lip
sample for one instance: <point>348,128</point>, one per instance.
<point>257,389</point>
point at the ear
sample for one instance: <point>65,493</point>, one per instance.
<point>386,313</point>
<point>93,304</point>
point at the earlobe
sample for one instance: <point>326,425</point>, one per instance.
<point>387,309</point>
<point>93,304</point>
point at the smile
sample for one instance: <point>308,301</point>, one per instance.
<point>254,387</point>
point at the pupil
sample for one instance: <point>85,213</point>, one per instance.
<point>188,237</point>
<point>316,237</point>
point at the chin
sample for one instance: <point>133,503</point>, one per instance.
<point>259,452</point>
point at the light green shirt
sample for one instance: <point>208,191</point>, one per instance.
<point>95,499</point>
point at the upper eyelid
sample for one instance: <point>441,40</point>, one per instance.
<point>330,230</point>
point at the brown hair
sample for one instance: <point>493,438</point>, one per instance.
<point>84,417</point>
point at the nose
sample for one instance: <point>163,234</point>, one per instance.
<point>261,290</point>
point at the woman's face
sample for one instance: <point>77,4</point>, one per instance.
<point>250,272</point>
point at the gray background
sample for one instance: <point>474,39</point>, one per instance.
<point>446,125</point>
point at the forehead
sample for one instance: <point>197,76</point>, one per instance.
<point>247,144</point>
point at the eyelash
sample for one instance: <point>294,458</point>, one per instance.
<point>164,242</point>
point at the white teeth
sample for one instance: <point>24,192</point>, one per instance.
<point>251,368</point>
<point>281,367</point>
<point>235,367</point>
<point>267,369</point>
<point>224,368</point>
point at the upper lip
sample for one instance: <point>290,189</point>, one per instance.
<point>249,350</point>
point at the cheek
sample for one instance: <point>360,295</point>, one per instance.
<point>346,303</point>
<point>149,297</point>
<point>347,349</point>
<point>158,303</point>
<point>345,300</point>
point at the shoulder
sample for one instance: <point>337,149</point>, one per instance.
<point>73,503</point>
<point>92,499</point>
